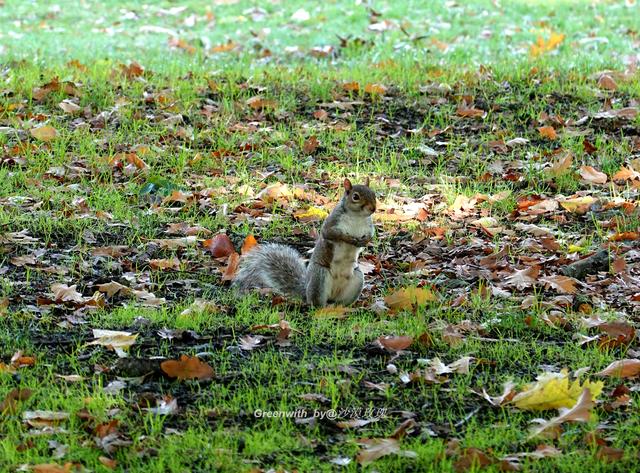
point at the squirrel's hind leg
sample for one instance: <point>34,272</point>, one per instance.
<point>352,289</point>
<point>318,285</point>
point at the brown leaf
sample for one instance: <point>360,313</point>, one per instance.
<point>10,403</point>
<point>524,277</point>
<point>260,103</point>
<point>320,114</point>
<point>164,264</point>
<point>64,293</point>
<point>561,165</point>
<point>628,368</point>
<point>393,343</point>
<point>188,367</point>
<point>607,82</point>
<point>310,145</point>
<point>44,133</point>
<point>52,468</point>
<point>69,107</point>
<point>580,412</point>
<point>376,448</point>
<point>589,147</point>
<point>219,246</point>
<point>548,132</point>
<point>472,458</point>
<point>609,454</point>
<point>232,267</point>
<point>592,175</point>
<point>563,284</point>
<point>466,111</point>
<point>108,462</point>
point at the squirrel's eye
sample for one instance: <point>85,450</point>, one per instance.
<point>356,197</point>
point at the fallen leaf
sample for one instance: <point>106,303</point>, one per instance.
<point>392,343</point>
<point>232,267</point>
<point>220,246</point>
<point>592,175</point>
<point>523,278</point>
<point>44,133</point>
<point>552,391</point>
<point>187,367</point>
<point>409,298</point>
<point>578,205</point>
<point>375,89</point>
<point>548,132</point>
<point>628,368</point>
<point>563,284</point>
<point>607,82</point>
<point>542,46</point>
<point>580,412</point>
<point>10,403</point>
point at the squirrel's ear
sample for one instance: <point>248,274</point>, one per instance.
<point>347,185</point>
<point>366,181</point>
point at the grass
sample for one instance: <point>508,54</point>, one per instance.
<point>188,118</point>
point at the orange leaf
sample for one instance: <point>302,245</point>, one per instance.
<point>232,267</point>
<point>351,86</point>
<point>395,343</point>
<point>187,367</point>
<point>259,103</point>
<point>249,243</point>
<point>548,132</point>
<point>375,89</point>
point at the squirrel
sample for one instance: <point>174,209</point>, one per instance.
<point>332,275</point>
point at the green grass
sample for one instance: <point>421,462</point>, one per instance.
<point>187,117</point>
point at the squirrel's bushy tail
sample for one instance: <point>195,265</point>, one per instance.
<point>277,267</point>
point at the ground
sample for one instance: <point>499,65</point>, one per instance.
<point>503,142</point>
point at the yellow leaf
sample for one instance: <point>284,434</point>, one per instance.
<point>312,214</point>
<point>542,46</point>
<point>44,133</point>
<point>552,391</point>
<point>409,297</point>
<point>375,89</point>
<point>578,205</point>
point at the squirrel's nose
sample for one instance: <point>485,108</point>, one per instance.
<point>372,208</point>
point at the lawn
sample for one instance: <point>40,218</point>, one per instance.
<point>143,145</point>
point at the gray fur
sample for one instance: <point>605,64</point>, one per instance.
<point>332,274</point>
<point>318,285</point>
<point>276,267</point>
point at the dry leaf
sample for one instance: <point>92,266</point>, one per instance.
<point>548,132</point>
<point>409,298</point>
<point>607,82</point>
<point>629,368</point>
<point>232,267</point>
<point>563,284</point>
<point>188,367</point>
<point>220,246</point>
<point>580,412</point>
<point>592,175</point>
<point>44,133</point>
<point>392,343</point>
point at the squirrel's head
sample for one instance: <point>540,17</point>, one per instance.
<point>359,198</point>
